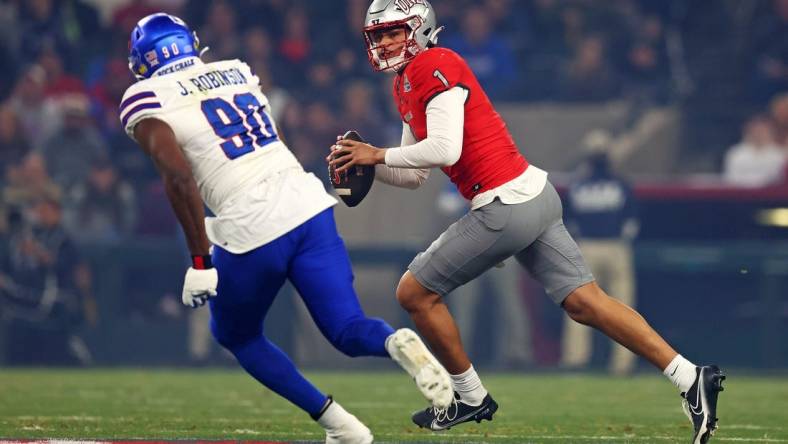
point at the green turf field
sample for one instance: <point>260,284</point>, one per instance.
<point>224,404</point>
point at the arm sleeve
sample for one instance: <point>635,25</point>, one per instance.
<point>402,177</point>
<point>443,144</point>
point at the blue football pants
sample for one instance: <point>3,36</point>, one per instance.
<point>313,257</point>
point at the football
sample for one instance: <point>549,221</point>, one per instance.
<point>352,185</point>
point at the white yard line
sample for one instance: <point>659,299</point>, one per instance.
<point>568,438</point>
<point>750,427</point>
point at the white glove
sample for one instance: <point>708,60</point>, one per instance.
<point>198,286</point>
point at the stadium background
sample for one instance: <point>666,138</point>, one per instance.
<point>674,82</point>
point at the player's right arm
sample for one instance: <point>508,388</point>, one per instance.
<point>411,178</point>
<point>158,141</point>
<point>436,84</point>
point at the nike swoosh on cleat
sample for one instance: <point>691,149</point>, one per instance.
<point>697,402</point>
<point>455,421</point>
<point>697,405</point>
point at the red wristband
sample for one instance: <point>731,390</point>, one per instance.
<point>201,262</point>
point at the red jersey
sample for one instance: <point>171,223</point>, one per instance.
<point>489,156</point>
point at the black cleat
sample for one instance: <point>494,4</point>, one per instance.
<point>457,413</point>
<point>700,402</point>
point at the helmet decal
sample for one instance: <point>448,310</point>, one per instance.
<point>152,58</point>
<point>405,5</point>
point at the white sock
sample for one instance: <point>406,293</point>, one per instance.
<point>334,416</point>
<point>469,386</point>
<point>681,373</point>
<point>341,426</point>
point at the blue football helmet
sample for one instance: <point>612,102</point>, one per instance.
<point>158,40</point>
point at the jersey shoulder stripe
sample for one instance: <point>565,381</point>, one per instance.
<point>142,99</point>
<point>138,108</point>
<point>135,98</point>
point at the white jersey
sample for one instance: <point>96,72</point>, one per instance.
<point>246,176</point>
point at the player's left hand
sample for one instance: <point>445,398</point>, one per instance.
<point>346,153</point>
<point>198,286</point>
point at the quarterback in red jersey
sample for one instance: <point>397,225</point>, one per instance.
<point>489,156</point>
<point>449,123</point>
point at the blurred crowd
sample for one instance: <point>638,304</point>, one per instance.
<point>66,71</point>
<point>760,158</point>
<point>69,175</point>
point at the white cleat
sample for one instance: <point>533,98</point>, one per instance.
<point>341,427</point>
<point>431,378</point>
<point>349,433</point>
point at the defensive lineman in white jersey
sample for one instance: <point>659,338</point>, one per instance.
<point>221,121</point>
<point>208,129</point>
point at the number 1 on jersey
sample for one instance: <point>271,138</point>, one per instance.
<point>439,75</point>
<point>227,121</point>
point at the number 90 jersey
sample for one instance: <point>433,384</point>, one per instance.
<point>222,122</point>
